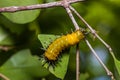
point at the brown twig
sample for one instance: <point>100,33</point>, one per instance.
<point>36,6</point>
<point>77,62</point>
<point>109,73</point>
<point>6,48</point>
<point>72,18</point>
<point>3,77</point>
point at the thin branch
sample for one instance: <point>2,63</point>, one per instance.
<point>6,48</point>
<point>107,46</point>
<point>72,18</point>
<point>109,73</point>
<point>36,6</point>
<point>3,77</point>
<point>92,30</point>
<point>77,62</point>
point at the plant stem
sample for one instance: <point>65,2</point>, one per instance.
<point>36,6</point>
<point>72,18</point>
<point>77,62</point>
<point>3,77</point>
<point>6,48</point>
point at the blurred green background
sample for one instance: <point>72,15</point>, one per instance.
<point>20,47</point>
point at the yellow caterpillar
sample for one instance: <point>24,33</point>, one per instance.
<point>58,45</point>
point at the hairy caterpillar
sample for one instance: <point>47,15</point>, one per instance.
<point>54,50</point>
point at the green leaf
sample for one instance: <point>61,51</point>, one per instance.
<point>20,17</point>
<point>12,27</point>
<point>116,2</point>
<point>5,38</point>
<point>60,68</point>
<point>46,39</point>
<point>84,76</point>
<point>117,63</point>
<point>23,66</point>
